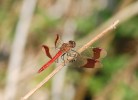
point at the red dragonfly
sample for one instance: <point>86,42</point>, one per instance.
<point>91,60</point>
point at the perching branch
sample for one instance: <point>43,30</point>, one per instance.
<point>111,27</point>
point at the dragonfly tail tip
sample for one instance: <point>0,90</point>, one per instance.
<point>40,70</point>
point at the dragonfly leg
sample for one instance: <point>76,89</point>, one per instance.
<point>62,57</point>
<point>75,52</point>
<point>68,55</point>
<point>73,55</point>
<point>56,60</point>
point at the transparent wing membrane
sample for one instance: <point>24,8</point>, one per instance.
<point>86,63</point>
<point>78,62</point>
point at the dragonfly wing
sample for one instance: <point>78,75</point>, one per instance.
<point>98,53</point>
<point>78,61</point>
<point>92,63</point>
<point>46,49</point>
<point>58,41</point>
<point>94,53</point>
<point>81,61</point>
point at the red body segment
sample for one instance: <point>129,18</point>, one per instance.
<point>50,62</point>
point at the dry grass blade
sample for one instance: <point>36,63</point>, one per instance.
<point>111,27</point>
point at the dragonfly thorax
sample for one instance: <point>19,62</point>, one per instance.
<point>67,46</point>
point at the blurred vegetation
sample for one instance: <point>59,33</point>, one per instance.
<point>122,47</point>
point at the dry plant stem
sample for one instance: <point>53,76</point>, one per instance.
<point>43,82</point>
<point>113,26</point>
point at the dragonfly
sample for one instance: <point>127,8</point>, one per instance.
<point>91,58</point>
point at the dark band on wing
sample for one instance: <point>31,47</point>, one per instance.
<point>99,53</point>
<point>96,53</point>
<point>47,51</point>
<point>57,38</point>
<point>92,63</point>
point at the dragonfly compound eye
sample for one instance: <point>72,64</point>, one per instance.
<point>72,43</point>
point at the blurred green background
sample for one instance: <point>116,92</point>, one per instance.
<point>27,24</point>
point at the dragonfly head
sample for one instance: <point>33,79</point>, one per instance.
<point>72,44</point>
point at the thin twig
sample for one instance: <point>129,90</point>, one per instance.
<point>113,26</point>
